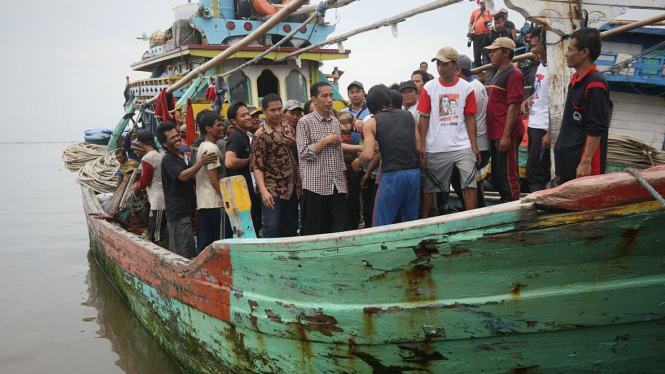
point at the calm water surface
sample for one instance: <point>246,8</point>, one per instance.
<point>60,314</point>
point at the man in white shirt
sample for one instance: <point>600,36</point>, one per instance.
<point>538,164</point>
<point>208,194</point>
<point>448,139</point>
<point>464,72</point>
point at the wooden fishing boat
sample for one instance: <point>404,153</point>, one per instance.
<point>509,288</point>
<point>567,280</point>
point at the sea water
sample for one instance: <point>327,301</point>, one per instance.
<point>59,313</point>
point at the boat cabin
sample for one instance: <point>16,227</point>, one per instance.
<point>205,29</point>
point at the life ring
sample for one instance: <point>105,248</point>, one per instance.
<point>265,8</point>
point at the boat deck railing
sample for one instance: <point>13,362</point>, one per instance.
<point>646,70</point>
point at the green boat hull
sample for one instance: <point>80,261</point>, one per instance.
<point>506,289</point>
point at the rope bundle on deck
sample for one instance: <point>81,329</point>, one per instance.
<point>76,155</point>
<point>96,169</point>
<point>623,149</point>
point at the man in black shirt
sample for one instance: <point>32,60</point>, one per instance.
<point>237,155</point>
<point>178,173</point>
<point>581,148</point>
<point>497,31</point>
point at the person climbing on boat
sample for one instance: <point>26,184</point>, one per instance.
<point>504,122</point>
<point>448,139</point>
<point>209,203</point>
<point>538,163</point>
<point>395,130</point>
<point>125,166</point>
<point>127,145</point>
<point>178,174</point>
<point>237,155</point>
<point>151,177</point>
<point>274,162</point>
<point>322,162</point>
<point>581,148</point>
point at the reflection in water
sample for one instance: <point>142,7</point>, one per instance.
<point>139,352</point>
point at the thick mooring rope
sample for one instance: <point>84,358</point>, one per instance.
<point>76,155</point>
<point>100,174</point>
<point>646,185</point>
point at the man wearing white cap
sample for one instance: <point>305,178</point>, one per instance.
<point>504,122</point>
<point>448,137</point>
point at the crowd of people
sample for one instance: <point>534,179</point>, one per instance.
<point>391,156</point>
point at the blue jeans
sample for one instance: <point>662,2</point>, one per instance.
<point>398,190</point>
<point>282,221</point>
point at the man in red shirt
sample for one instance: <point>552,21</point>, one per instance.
<point>504,129</point>
<point>478,27</point>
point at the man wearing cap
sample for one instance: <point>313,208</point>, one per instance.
<point>358,109</point>
<point>292,113</point>
<point>464,72</point>
<point>255,114</point>
<point>151,177</point>
<point>274,162</point>
<point>478,27</point>
<point>448,138</point>
<point>538,163</point>
<point>409,92</point>
<point>581,148</point>
<point>238,148</point>
<point>504,121</point>
<point>209,201</point>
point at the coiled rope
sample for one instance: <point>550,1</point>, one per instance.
<point>623,149</point>
<point>76,155</point>
<point>99,174</point>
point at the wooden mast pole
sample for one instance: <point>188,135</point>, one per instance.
<point>233,49</point>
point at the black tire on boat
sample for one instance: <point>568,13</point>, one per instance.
<point>244,9</point>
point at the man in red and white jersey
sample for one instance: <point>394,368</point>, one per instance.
<point>447,129</point>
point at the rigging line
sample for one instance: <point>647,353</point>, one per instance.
<point>286,38</point>
<point>374,26</point>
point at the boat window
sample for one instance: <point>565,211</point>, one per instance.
<point>296,87</point>
<point>238,85</point>
<point>267,83</point>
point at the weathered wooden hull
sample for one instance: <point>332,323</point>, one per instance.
<point>507,289</point>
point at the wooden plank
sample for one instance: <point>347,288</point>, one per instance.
<point>635,98</point>
<point>653,119</point>
<point>624,106</point>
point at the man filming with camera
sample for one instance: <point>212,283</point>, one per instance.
<point>478,27</point>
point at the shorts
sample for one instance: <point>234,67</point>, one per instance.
<point>439,169</point>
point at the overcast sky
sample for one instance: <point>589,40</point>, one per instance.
<point>65,61</point>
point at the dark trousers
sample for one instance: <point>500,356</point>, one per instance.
<point>478,49</point>
<point>505,175</point>
<point>457,186</point>
<point>282,221</point>
<point>353,201</point>
<point>368,195</point>
<point>324,214</point>
<point>181,237</point>
<point>208,227</point>
<point>256,211</point>
<point>538,164</point>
